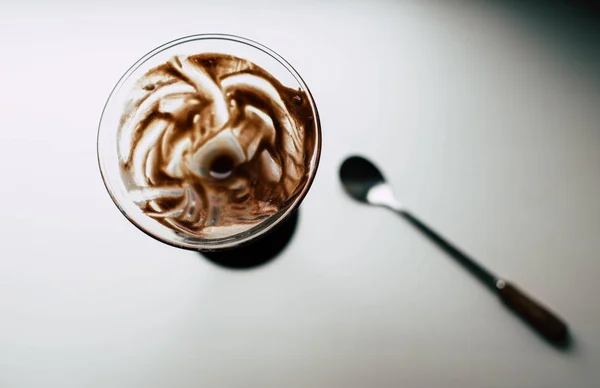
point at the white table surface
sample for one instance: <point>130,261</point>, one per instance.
<point>486,120</point>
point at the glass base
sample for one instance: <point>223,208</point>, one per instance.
<point>258,252</point>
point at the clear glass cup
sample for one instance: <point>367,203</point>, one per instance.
<point>108,156</point>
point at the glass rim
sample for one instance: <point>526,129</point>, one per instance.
<point>258,230</point>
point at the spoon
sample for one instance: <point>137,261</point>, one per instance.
<point>365,183</point>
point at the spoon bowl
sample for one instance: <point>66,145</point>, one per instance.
<point>358,176</point>
<point>365,183</point>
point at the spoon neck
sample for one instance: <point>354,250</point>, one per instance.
<point>383,195</point>
<point>397,207</point>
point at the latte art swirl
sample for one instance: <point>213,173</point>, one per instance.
<point>213,141</point>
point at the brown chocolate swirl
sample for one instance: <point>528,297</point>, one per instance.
<point>213,140</point>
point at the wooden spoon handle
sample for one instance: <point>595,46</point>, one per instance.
<point>540,318</point>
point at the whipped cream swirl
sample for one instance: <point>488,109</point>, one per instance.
<point>213,140</point>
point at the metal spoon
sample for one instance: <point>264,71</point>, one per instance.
<point>365,183</point>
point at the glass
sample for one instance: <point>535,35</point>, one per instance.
<point>108,142</point>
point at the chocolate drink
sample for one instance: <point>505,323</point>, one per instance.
<point>210,145</point>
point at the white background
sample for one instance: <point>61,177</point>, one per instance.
<point>485,118</point>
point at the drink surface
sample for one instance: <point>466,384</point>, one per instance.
<point>211,145</point>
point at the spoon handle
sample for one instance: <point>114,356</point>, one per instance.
<point>541,319</point>
<point>468,263</point>
<point>545,322</point>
